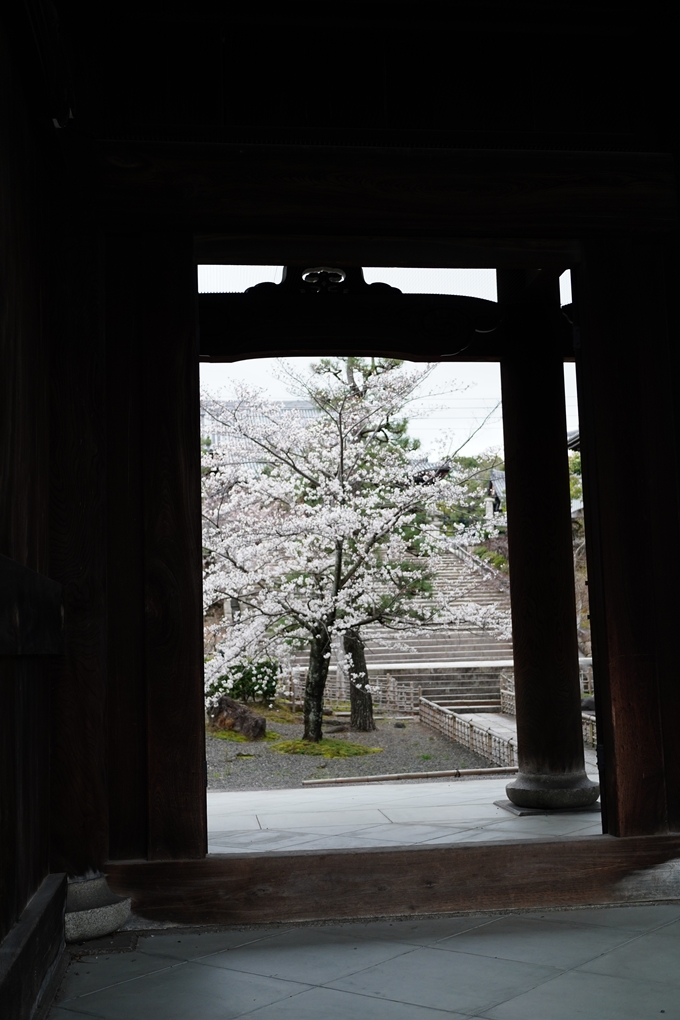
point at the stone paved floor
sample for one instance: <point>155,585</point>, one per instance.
<point>595,964</point>
<point>378,814</point>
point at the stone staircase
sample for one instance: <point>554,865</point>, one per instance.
<point>458,683</point>
<point>466,690</point>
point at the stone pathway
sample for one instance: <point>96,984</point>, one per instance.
<point>616,963</point>
<point>421,813</point>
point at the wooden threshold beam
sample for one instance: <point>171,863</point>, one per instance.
<point>342,884</point>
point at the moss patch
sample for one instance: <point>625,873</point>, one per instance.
<point>270,735</point>
<point>326,748</point>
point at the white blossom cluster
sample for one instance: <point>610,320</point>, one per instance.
<point>332,530</point>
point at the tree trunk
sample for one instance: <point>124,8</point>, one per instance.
<point>319,659</point>
<point>361,702</point>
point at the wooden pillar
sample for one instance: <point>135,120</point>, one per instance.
<point>626,379</point>
<point>156,715</point>
<point>549,737</point>
<point>79,809</point>
<point>126,447</point>
<point>25,723</point>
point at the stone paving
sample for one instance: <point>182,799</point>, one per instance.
<point>617,963</point>
<point>378,814</point>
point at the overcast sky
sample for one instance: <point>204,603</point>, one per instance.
<point>464,394</point>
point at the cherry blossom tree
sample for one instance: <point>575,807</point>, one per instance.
<point>317,525</point>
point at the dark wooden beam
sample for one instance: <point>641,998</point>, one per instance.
<point>312,885</point>
<point>25,735</point>
<point>127,446</point>
<point>365,250</point>
<point>79,809</point>
<point>156,752</point>
<point>25,687</point>
<point>31,612</point>
<point>362,320</point>
<point>625,372</point>
<point>428,193</point>
<point>171,493</point>
<point>31,951</point>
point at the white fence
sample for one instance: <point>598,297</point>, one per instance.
<point>497,749</point>
<point>507,694</point>
<point>589,729</point>
<point>390,694</point>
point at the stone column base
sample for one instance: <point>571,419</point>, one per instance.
<point>540,790</point>
<point>93,910</point>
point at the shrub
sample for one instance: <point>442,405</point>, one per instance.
<point>248,680</point>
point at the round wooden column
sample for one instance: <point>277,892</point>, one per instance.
<point>549,737</point>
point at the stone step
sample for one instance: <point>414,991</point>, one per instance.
<point>465,704</point>
<point>491,707</point>
<point>461,693</point>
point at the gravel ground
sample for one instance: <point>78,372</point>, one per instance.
<point>235,765</point>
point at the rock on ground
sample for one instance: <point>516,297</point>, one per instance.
<point>228,714</point>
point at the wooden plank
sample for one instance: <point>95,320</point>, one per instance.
<point>313,885</point>
<point>126,446</point>
<point>363,250</point>
<point>24,484</point>
<point>626,419</point>
<point>79,809</point>
<point>172,549</point>
<point>663,264</point>
<point>31,614</point>
<point>294,190</point>
<point>31,951</point>
<point>24,783</point>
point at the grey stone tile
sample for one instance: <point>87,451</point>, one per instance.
<point>654,957</point>
<point>454,981</point>
<point>540,825</point>
<point>672,929</point>
<point>189,991</point>
<point>332,1004</point>
<point>261,841</point>
<point>643,918</point>
<point>405,834</point>
<point>453,814</point>
<point>531,940</point>
<point>313,956</point>
<point>226,820</point>
<point>291,819</point>
<point>341,842</point>
<point>93,972</point>
<point>194,946</point>
<point>414,932</point>
<point>590,997</point>
<point>61,1013</point>
<point>259,836</point>
<point>480,834</point>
